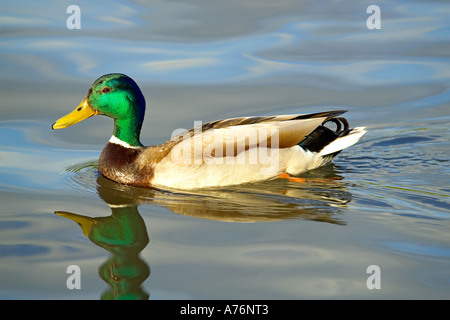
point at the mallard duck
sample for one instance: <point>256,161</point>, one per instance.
<point>215,154</point>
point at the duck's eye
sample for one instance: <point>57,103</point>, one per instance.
<point>106,90</point>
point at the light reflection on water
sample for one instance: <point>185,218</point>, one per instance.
<point>204,61</point>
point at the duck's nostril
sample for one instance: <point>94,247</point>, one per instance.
<point>79,109</point>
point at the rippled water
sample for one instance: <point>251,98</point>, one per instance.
<point>198,61</point>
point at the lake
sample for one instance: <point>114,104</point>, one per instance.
<point>378,230</point>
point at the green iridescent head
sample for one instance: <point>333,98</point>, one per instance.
<point>114,95</point>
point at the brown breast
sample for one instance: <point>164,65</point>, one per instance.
<point>118,163</point>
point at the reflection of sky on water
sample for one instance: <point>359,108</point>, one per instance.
<point>27,163</point>
<point>120,37</point>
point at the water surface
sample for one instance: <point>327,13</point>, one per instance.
<point>388,204</point>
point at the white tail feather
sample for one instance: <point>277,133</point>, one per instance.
<point>344,142</point>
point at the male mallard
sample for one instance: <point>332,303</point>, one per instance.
<point>219,153</point>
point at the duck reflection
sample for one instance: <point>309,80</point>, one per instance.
<point>124,233</point>
<point>262,202</point>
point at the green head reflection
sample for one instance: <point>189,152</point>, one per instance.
<point>124,235</point>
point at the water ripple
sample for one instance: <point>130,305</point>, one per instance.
<point>22,250</point>
<point>82,176</point>
<point>417,248</point>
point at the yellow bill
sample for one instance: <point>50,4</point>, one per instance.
<point>83,111</point>
<point>86,223</point>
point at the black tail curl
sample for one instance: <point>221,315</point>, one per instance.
<point>323,135</point>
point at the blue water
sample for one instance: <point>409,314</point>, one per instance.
<point>201,61</point>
